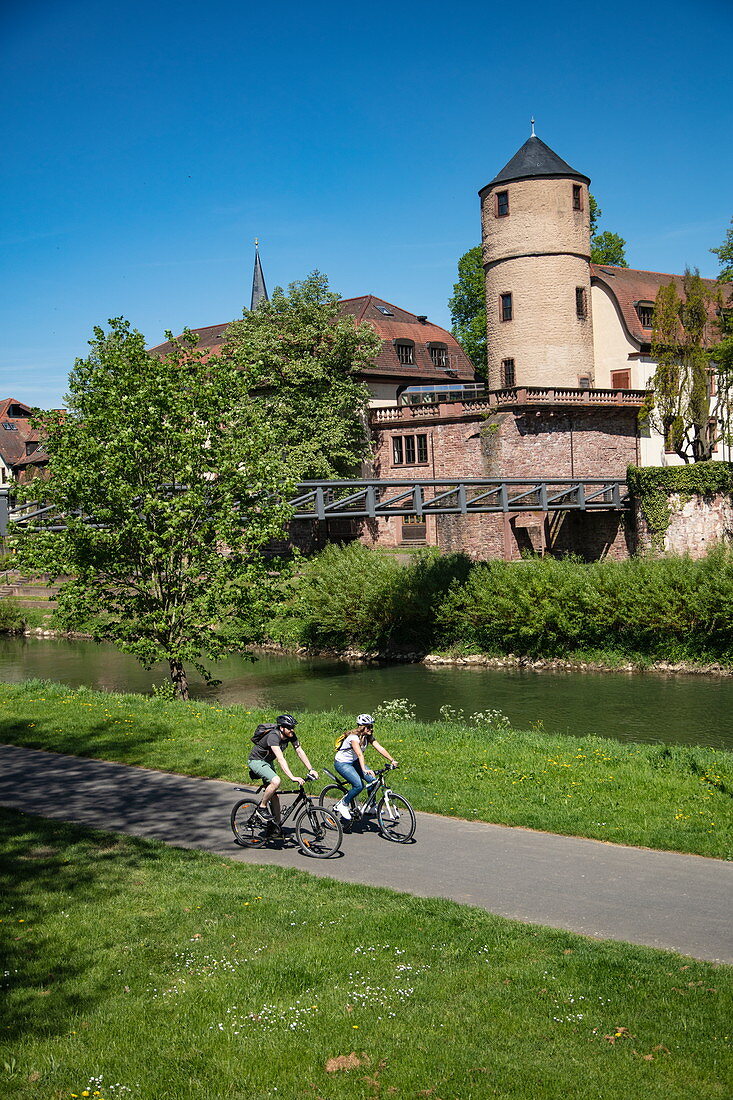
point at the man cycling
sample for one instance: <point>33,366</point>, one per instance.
<point>270,743</point>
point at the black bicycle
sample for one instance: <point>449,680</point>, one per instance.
<point>395,816</point>
<point>318,830</point>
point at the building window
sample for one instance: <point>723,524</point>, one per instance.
<point>577,197</point>
<point>409,450</point>
<point>438,356</point>
<point>584,382</point>
<point>414,529</point>
<point>508,377</point>
<point>406,354</point>
<point>581,302</point>
<point>620,379</point>
<point>502,204</point>
<point>506,307</point>
<point>645,311</point>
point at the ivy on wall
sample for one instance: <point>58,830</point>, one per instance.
<point>652,487</point>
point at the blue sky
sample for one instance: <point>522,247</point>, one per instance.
<point>148,143</point>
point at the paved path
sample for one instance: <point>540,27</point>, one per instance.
<point>661,899</point>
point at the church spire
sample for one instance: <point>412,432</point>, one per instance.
<point>259,290</point>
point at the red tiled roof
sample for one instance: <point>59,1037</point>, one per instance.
<point>403,325</point>
<point>13,440</point>
<point>400,325</point>
<point>629,287</point>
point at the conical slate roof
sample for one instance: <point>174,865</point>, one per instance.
<point>535,160</point>
<point>259,290</point>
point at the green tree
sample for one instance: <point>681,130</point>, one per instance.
<point>722,353</point>
<point>725,256</point>
<point>301,360</point>
<point>468,309</point>
<point>171,481</point>
<point>678,403</point>
<point>605,248</point>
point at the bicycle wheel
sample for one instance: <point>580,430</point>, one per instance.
<point>330,795</point>
<point>318,832</point>
<point>396,818</point>
<point>248,831</point>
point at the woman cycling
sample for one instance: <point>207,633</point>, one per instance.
<point>350,762</point>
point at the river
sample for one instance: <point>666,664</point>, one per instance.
<point>673,708</point>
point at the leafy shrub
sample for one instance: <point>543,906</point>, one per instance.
<point>353,595</point>
<point>12,618</point>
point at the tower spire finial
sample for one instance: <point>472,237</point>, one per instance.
<point>532,121</point>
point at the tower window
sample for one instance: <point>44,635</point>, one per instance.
<point>508,376</point>
<point>506,307</point>
<point>581,302</point>
<point>405,354</point>
<point>438,356</point>
<point>502,204</point>
<point>577,197</point>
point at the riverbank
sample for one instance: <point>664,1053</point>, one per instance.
<point>611,662</point>
<point>675,798</point>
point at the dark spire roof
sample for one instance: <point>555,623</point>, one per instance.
<point>535,160</point>
<point>259,290</point>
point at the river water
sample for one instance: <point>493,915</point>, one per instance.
<point>678,709</point>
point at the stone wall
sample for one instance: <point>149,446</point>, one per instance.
<point>696,524</point>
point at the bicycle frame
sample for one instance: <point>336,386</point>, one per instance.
<point>372,789</point>
<point>301,800</point>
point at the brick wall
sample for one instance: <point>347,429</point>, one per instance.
<point>524,442</point>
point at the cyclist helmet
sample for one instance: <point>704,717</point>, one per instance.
<point>287,721</point>
<point>365,720</point>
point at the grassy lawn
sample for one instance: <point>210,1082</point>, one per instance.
<point>665,797</point>
<point>133,971</point>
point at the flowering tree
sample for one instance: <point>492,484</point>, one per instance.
<point>171,481</point>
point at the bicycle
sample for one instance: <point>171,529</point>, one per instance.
<point>395,816</point>
<point>318,830</point>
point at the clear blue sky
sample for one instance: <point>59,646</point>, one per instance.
<point>147,143</point>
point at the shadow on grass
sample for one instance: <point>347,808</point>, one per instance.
<point>50,873</point>
<point>97,741</point>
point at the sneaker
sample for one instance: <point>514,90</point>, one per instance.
<point>263,815</point>
<point>343,810</point>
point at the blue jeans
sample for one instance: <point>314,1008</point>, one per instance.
<point>353,774</point>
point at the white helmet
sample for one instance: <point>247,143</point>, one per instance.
<point>365,720</point>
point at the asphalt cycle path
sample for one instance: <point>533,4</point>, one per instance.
<point>660,899</point>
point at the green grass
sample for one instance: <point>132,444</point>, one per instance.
<point>176,975</point>
<point>666,797</point>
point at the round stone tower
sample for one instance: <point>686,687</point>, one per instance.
<point>535,221</point>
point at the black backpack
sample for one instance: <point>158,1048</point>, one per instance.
<point>262,731</point>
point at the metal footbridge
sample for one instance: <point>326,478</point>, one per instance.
<point>377,498</point>
<point>382,498</point>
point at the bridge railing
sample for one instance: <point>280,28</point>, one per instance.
<point>373,499</point>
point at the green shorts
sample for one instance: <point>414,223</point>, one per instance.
<point>262,770</point>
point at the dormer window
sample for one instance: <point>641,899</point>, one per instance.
<point>577,197</point>
<point>645,311</point>
<point>438,355</point>
<point>405,353</point>
<point>502,204</point>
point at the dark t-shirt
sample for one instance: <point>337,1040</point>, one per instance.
<point>262,749</point>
